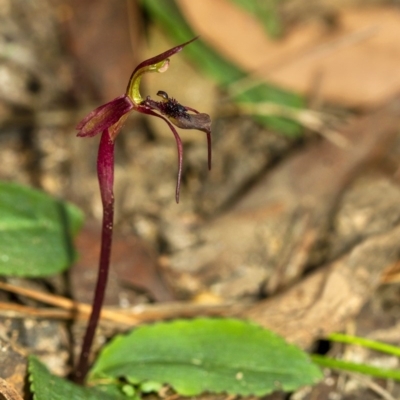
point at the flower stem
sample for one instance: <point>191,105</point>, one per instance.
<point>105,173</point>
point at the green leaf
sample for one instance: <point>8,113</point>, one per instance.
<point>368,343</point>
<point>129,390</point>
<point>150,386</point>
<point>36,232</point>
<point>214,355</point>
<point>168,15</point>
<point>46,386</point>
<point>365,369</point>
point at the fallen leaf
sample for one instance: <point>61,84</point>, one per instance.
<point>357,60</point>
<point>13,366</point>
<point>325,301</point>
<point>133,263</point>
<point>103,38</point>
<point>8,392</point>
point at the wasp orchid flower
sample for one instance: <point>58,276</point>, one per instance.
<point>112,115</point>
<point>108,120</point>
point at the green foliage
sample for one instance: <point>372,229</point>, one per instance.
<point>365,369</point>
<point>46,386</point>
<point>368,343</point>
<point>35,232</point>
<point>168,15</point>
<point>213,355</point>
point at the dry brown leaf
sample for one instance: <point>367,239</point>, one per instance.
<point>103,37</point>
<point>7,392</point>
<point>357,60</point>
<point>133,264</point>
<point>326,300</point>
<point>13,367</point>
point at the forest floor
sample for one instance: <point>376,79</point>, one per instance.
<point>300,234</point>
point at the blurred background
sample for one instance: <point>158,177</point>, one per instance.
<point>305,168</point>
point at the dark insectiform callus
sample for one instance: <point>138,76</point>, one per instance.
<point>182,116</point>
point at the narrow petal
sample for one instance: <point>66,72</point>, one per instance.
<point>148,111</point>
<point>105,116</point>
<point>115,129</point>
<point>162,56</point>
<point>209,147</point>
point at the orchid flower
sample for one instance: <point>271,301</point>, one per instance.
<point>112,115</point>
<point>108,120</point>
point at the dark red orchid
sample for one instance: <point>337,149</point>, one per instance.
<point>108,120</point>
<point>112,115</point>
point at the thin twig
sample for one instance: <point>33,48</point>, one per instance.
<point>379,390</point>
<point>69,309</point>
<point>79,310</point>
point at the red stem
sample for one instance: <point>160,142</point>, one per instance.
<point>105,172</point>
